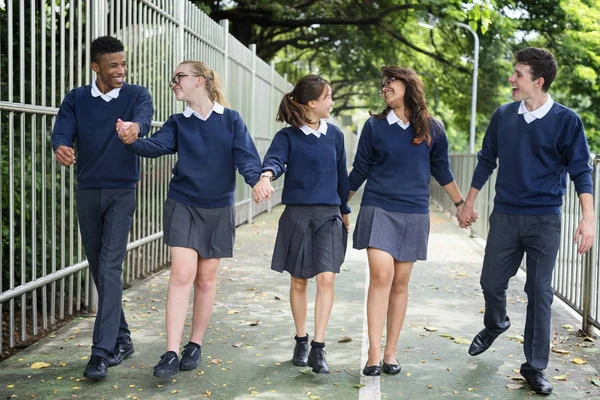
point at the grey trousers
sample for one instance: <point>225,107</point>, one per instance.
<point>105,217</point>
<point>511,236</point>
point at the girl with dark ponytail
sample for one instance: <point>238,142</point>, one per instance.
<point>313,229</point>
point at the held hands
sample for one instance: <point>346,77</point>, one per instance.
<point>584,235</point>
<point>65,155</point>
<point>128,131</point>
<point>466,215</point>
<point>262,190</point>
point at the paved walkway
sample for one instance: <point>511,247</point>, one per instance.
<point>248,346</point>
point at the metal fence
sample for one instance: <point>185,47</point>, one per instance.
<point>576,278</point>
<point>45,53</point>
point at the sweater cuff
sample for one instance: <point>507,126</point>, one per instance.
<point>345,209</point>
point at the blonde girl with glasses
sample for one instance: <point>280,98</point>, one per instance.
<point>211,142</point>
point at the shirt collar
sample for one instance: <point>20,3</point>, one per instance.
<point>188,112</point>
<point>322,130</point>
<point>538,113</point>
<point>392,119</point>
<point>113,94</point>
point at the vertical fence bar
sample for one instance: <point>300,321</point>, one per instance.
<point>44,150</point>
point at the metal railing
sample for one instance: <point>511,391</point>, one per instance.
<point>576,278</point>
<point>43,270</point>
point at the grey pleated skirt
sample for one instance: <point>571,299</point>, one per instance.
<point>402,235</point>
<point>310,240</point>
<point>209,231</point>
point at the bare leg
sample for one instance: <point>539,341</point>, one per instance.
<point>181,278</point>
<point>323,303</point>
<point>396,309</point>
<point>205,286</point>
<point>381,272</point>
<point>298,304</point>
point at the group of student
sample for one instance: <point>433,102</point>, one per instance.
<point>535,139</point>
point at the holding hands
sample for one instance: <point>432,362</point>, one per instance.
<point>128,131</point>
<point>263,189</point>
<point>466,215</point>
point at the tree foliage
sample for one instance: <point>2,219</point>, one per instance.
<point>347,41</point>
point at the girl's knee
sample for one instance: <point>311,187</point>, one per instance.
<point>299,284</point>
<point>325,280</point>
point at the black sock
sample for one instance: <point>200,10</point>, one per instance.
<point>301,339</point>
<point>318,345</point>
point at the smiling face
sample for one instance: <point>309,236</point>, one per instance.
<point>322,106</point>
<point>110,70</point>
<point>185,84</point>
<point>524,87</point>
<point>392,91</point>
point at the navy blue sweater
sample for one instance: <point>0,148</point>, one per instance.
<point>208,153</point>
<point>314,167</point>
<point>103,162</point>
<point>397,171</point>
<point>534,159</point>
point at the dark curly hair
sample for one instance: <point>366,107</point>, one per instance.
<point>105,45</point>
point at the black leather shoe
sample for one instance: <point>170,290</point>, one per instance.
<point>167,366</point>
<point>538,381</point>
<point>316,360</point>
<point>300,358</point>
<point>97,368</point>
<point>391,369</point>
<point>190,357</point>
<point>123,349</point>
<point>482,342</point>
<point>372,370</point>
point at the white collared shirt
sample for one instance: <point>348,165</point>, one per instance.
<point>188,112</point>
<point>113,94</point>
<point>392,119</point>
<point>322,130</point>
<point>538,113</point>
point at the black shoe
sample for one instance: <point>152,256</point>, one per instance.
<point>123,349</point>
<point>391,369</point>
<point>190,356</point>
<point>97,368</point>
<point>537,380</point>
<point>372,370</point>
<point>316,360</point>
<point>482,342</point>
<point>300,358</point>
<point>168,365</point>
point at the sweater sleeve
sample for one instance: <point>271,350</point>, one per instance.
<point>364,158</point>
<point>143,111</point>
<point>487,156</point>
<point>278,155</point>
<point>439,160</point>
<point>65,125</point>
<point>245,155</point>
<point>576,155</point>
<point>162,142</point>
<point>343,183</point>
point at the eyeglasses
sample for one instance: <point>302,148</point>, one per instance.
<point>177,78</point>
<point>386,84</point>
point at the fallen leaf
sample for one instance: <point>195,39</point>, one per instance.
<point>588,339</point>
<point>175,391</point>
<point>238,344</point>
<point>207,393</point>
<point>359,385</point>
<point>446,335</point>
<point>596,381</point>
<point>313,397</point>
<point>429,386</point>
<point>216,361</point>
<point>579,361</point>
<point>40,364</point>
<point>345,339</point>
<point>470,389</point>
<point>560,351</point>
<point>430,329</point>
<point>10,386</point>
<point>562,377</point>
<point>568,327</point>
<point>513,386</point>
<point>277,298</point>
<point>254,323</point>
<point>461,340</point>
<point>233,311</point>
<point>58,378</point>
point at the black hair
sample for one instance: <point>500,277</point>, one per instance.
<point>541,63</point>
<point>105,45</point>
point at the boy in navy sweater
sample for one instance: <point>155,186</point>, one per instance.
<point>312,233</point>
<point>537,142</point>
<point>106,178</point>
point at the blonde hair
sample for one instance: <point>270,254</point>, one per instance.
<point>211,83</point>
